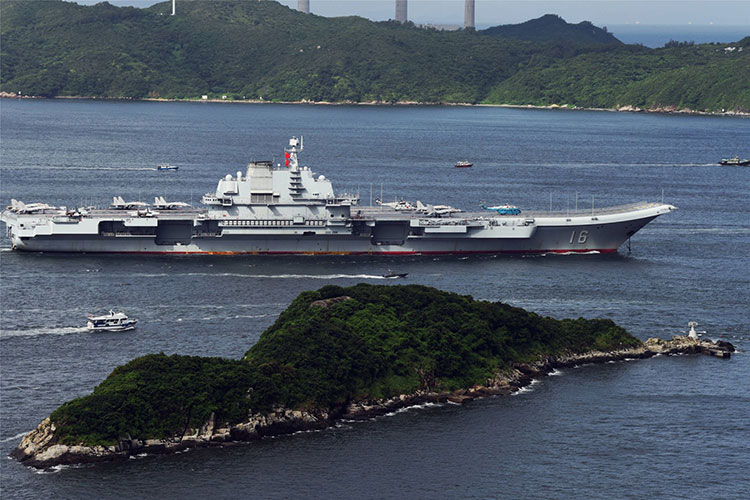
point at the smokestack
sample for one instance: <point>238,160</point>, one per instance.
<point>303,6</point>
<point>401,11</point>
<point>468,13</point>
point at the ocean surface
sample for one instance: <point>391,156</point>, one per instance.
<point>656,35</point>
<point>667,427</point>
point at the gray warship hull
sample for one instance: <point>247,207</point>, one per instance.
<point>380,233</point>
<point>289,210</point>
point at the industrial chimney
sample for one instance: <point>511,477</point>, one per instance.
<point>303,6</point>
<point>468,14</point>
<point>401,11</point>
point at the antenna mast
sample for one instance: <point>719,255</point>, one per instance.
<point>290,153</point>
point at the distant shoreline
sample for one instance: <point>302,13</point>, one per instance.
<point>626,109</point>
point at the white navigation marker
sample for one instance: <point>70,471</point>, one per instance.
<point>692,333</point>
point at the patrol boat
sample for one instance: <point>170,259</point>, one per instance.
<point>291,210</point>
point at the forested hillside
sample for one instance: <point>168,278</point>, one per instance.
<point>263,50</point>
<point>330,347</point>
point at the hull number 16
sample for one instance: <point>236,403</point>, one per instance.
<point>582,237</point>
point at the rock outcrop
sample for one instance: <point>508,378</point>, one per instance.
<point>329,302</point>
<point>39,448</point>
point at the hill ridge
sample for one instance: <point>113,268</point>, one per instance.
<point>551,27</point>
<point>267,51</point>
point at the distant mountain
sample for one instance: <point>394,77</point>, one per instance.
<point>552,28</point>
<point>266,51</point>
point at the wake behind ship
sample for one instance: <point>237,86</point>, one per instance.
<point>291,210</point>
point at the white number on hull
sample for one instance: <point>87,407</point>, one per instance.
<point>583,236</point>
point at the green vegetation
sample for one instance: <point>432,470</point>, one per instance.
<point>156,396</point>
<point>552,27</point>
<point>697,77</point>
<point>380,341</point>
<point>263,50</point>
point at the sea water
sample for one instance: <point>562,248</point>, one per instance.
<point>669,427</point>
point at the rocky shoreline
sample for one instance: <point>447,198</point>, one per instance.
<point>39,449</point>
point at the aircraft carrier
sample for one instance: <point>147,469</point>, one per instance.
<point>291,210</point>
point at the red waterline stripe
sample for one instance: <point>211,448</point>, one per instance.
<point>460,252</point>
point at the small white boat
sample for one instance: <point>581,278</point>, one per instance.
<point>112,322</point>
<point>166,166</point>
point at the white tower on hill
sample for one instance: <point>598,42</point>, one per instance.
<point>401,11</point>
<point>468,13</point>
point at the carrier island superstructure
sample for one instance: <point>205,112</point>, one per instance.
<point>290,210</point>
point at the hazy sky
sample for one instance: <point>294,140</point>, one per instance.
<point>494,12</point>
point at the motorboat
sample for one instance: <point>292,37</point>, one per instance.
<point>112,322</point>
<point>734,162</point>
<point>166,166</point>
<point>463,164</point>
<point>391,274</point>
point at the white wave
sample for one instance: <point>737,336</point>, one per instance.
<point>623,165</point>
<point>57,468</point>
<point>526,389</point>
<point>71,167</point>
<point>555,373</point>
<point>236,316</point>
<point>293,276</point>
<point>422,406</point>
<point>52,470</point>
<point>14,438</point>
<point>722,231</point>
<point>718,230</point>
<point>34,332</point>
<point>281,305</point>
<point>308,431</point>
<point>590,252</point>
